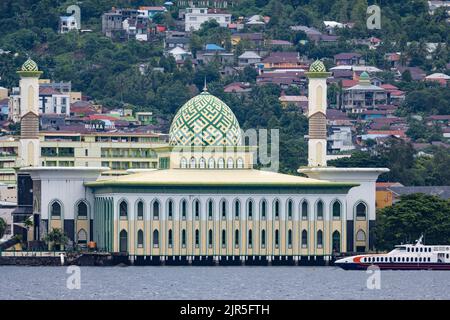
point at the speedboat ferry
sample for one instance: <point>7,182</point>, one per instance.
<point>404,257</point>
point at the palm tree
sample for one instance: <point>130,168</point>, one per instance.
<point>56,238</point>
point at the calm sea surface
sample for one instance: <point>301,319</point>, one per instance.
<point>219,283</point>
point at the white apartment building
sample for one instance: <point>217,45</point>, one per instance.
<point>196,16</point>
<point>51,101</point>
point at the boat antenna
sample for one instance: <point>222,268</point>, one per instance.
<point>420,240</point>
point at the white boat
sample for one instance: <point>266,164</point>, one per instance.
<point>416,256</point>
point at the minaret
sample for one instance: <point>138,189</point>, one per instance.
<point>29,148</point>
<point>317,111</point>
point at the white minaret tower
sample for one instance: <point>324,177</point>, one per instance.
<point>29,146</point>
<point>317,111</point>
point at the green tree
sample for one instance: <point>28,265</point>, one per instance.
<point>412,216</point>
<point>56,238</point>
<point>2,227</point>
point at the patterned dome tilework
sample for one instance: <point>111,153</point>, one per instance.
<point>29,65</point>
<point>317,66</point>
<point>205,120</point>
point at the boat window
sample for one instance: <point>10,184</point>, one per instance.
<point>429,259</point>
<point>416,259</point>
<point>407,259</point>
<point>421,249</point>
<point>403,259</point>
<point>447,255</point>
<point>407,249</point>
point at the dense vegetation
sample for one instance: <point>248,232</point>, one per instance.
<point>110,72</point>
<point>405,167</point>
<point>2,227</point>
<point>411,217</point>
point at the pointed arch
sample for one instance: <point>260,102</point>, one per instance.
<point>304,207</point>
<point>140,208</point>
<point>55,209</point>
<point>336,241</point>
<point>319,209</point>
<point>156,208</point>
<point>336,209</point>
<point>123,209</point>
<point>82,209</point>
<point>140,238</point>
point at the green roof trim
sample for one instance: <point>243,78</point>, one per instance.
<point>318,74</point>
<point>113,183</point>
<point>30,74</point>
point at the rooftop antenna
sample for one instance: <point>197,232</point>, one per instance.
<point>205,88</point>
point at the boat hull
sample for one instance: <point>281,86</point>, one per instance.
<point>395,266</point>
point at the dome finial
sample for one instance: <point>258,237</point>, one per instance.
<point>205,88</point>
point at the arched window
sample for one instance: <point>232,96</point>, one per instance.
<point>210,209</point>
<point>290,206</point>
<point>82,210</point>
<point>123,209</point>
<point>360,235</point>
<point>55,210</point>
<point>140,239</point>
<point>236,238</point>
<point>263,209</point>
<point>221,163</point>
<point>224,238</point>
<point>223,209</point>
<point>140,210</point>
<point>156,210</point>
<point>230,163</point>
<point>82,236</point>
<point>319,239</point>
<point>193,163</point>
<point>183,163</point>
<point>290,238</point>
<point>336,241</point>
<point>170,210</point>
<point>210,238</point>
<point>361,211</point>
<point>304,239</point>
<point>237,209</point>
<point>277,238</point>
<point>183,238</point>
<point>250,209</point>
<point>319,208</point>
<point>197,238</point>
<point>170,238</point>
<point>183,209</point>
<point>155,238</point>
<point>123,241</point>
<point>304,210</point>
<point>276,209</point>
<point>197,209</point>
<point>263,238</point>
<point>250,238</point>
<point>336,210</point>
<point>239,163</point>
<point>202,163</point>
<point>211,163</point>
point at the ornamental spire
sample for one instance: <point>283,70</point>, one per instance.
<point>205,88</point>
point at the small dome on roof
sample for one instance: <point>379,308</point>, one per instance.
<point>29,65</point>
<point>317,66</point>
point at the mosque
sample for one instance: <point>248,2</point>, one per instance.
<point>211,204</point>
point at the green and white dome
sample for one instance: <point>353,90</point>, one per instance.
<point>29,65</point>
<point>317,66</point>
<point>205,120</point>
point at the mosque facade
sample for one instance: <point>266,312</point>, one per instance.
<point>211,204</point>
